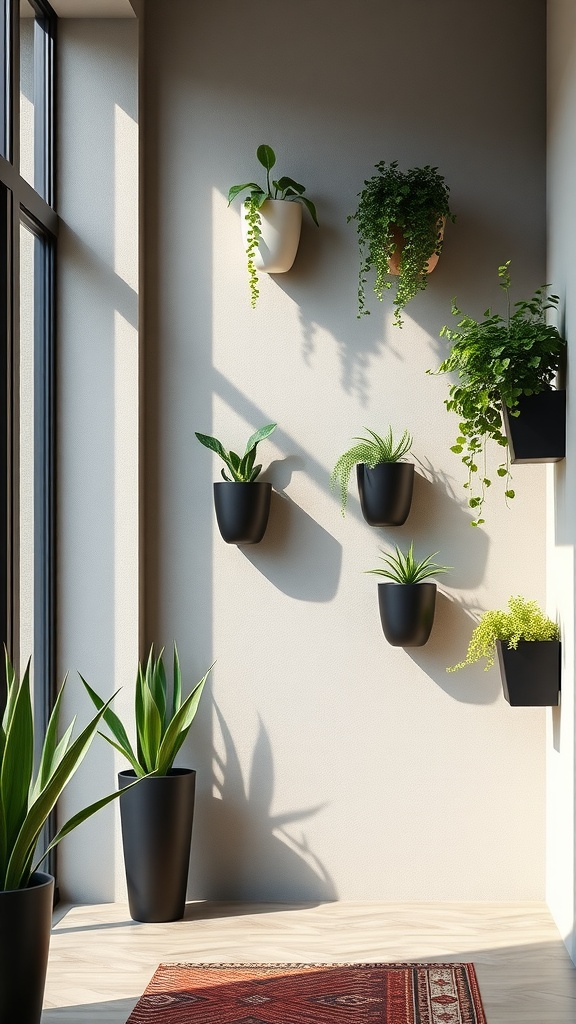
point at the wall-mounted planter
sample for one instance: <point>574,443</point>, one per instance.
<point>281,222</point>
<point>407,612</point>
<point>538,434</point>
<point>242,510</point>
<point>530,672</point>
<point>385,492</point>
<point>394,261</point>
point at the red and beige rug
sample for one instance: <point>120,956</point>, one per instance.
<point>311,994</point>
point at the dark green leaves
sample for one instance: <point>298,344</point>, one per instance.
<point>266,156</point>
<point>242,470</point>
<point>403,568</point>
<point>372,450</point>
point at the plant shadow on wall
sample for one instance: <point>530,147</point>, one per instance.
<point>297,555</point>
<point>244,840</point>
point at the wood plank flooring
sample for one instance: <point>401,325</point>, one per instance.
<point>101,961</point>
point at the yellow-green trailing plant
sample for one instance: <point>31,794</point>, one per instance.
<point>371,451</point>
<point>523,621</point>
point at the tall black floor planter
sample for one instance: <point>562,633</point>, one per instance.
<point>530,672</point>
<point>25,925</point>
<point>407,612</point>
<point>538,434</point>
<point>156,818</point>
<point>242,511</point>
<point>385,492</point>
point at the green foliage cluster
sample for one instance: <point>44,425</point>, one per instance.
<point>413,202</point>
<point>281,188</point>
<point>523,621</point>
<point>162,720</point>
<point>372,451</point>
<point>403,568</point>
<point>242,468</point>
<point>498,359</point>
<point>27,802</point>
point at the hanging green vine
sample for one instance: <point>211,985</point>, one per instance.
<point>252,238</point>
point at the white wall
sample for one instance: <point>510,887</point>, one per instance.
<point>98,410</point>
<point>330,764</point>
<point>561,759</point>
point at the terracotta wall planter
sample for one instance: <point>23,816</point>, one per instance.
<point>385,492</point>
<point>242,510</point>
<point>407,612</point>
<point>530,673</point>
<point>394,261</point>
<point>538,434</point>
<point>281,222</point>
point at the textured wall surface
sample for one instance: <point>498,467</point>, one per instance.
<point>561,759</point>
<point>330,764</point>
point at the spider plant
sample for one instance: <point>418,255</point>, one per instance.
<point>242,468</point>
<point>27,802</point>
<point>372,451</point>
<point>403,568</point>
<point>162,720</point>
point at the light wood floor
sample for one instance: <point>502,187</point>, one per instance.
<point>101,961</point>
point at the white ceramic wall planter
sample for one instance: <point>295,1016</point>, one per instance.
<point>281,222</point>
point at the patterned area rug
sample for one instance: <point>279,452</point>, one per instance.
<point>311,994</point>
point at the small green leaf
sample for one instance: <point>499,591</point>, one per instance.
<point>237,189</point>
<point>510,494</point>
<point>266,156</point>
<point>311,209</point>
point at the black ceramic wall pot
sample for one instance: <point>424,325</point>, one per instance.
<point>25,925</point>
<point>242,511</point>
<point>538,434</point>
<point>385,492</point>
<point>530,672</point>
<point>407,612</point>
<point>156,818</point>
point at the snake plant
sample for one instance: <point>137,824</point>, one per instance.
<point>241,467</point>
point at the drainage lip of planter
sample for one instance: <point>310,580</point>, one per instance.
<point>538,434</point>
<point>407,612</point>
<point>242,510</point>
<point>385,492</point>
<point>530,672</point>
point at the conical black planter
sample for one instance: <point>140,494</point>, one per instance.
<point>25,925</point>
<point>538,434</point>
<point>242,511</point>
<point>385,492</point>
<point>156,820</point>
<point>407,612</point>
<point>530,672</point>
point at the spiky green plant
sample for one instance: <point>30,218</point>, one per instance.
<point>27,802</point>
<point>403,568</point>
<point>163,720</point>
<point>371,451</point>
<point>523,621</point>
<point>413,202</point>
<point>281,188</point>
<point>242,468</point>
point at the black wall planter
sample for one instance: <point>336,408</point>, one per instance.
<point>538,434</point>
<point>530,673</point>
<point>385,492</point>
<point>156,818</point>
<point>25,925</point>
<point>407,612</point>
<point>242,511</point>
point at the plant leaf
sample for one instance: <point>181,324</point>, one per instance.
<point>258,436</point>
<point>178,729</point>
<point>311,208</point>
<point>266,156</point>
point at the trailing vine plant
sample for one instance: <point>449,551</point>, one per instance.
<point>281,188</point>
<point>498,360</point>
<point>372,451</point>
<point>413,204</point>
<point>523,621</point>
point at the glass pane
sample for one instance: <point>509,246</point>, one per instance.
<point>28,242</point>
<point>4,76</point>
<point>35,98</point>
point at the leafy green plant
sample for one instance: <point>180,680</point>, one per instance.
<point>163,720</point>
<point>523,621</point>
<point>26,802</point>
<point>498,359</point>
<point>281,188</point>
<point>242,468</point>
<point>413,203</point>
<point>403,568</point>
<point>372,451</point>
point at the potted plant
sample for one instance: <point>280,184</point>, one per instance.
<point>506,363</point>
<point>385,483</point>
<point>242,503</point>
<point>400,222</point>
<point>27,800</point>
<point>271,221</point>
<point>157,825</point>
<point>407,604</point>
<point>527,644</point>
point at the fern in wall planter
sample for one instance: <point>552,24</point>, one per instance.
<point>271,221</point>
